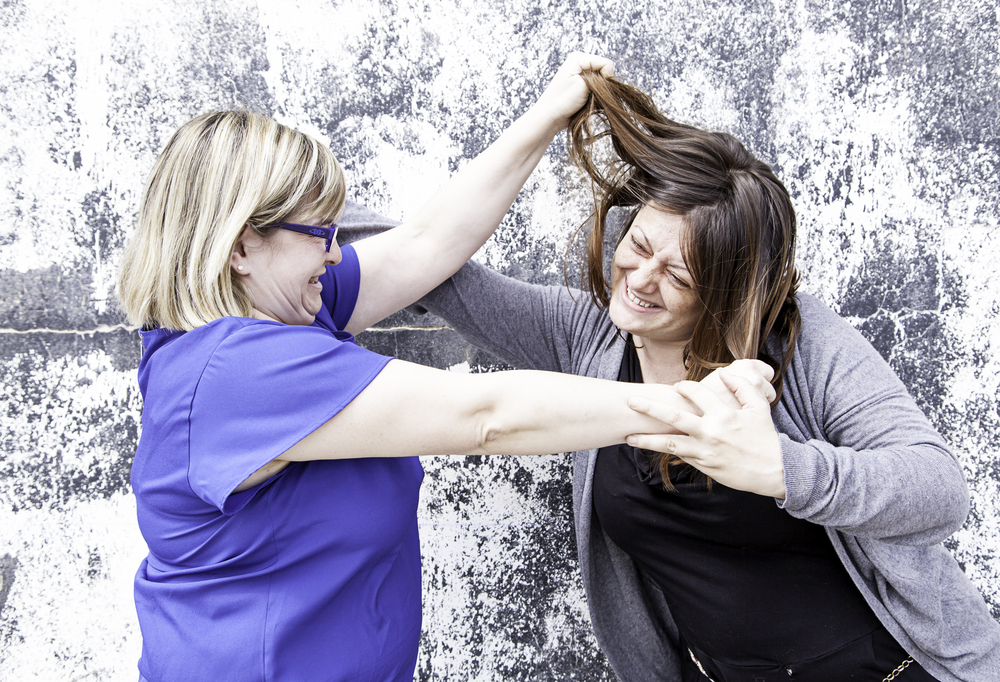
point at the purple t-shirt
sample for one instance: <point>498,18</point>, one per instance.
<point>315,573</point>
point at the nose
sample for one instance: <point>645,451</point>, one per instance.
<point>643,278</point>
<point>334,256</point>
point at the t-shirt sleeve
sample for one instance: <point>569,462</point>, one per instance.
<point>265,388</point>
<point>341,285</point>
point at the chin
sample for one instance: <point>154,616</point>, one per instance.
<point>615,313</point>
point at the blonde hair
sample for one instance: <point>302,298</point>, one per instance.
<point>219,172</point>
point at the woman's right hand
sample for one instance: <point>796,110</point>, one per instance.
<point>756,373</point>
<point>567,92</point>
<point>727,434</point>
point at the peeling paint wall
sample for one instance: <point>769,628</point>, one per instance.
<point>881,117</point>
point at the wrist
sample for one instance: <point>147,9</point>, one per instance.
<point>779,491</point>
<point>544,120</point>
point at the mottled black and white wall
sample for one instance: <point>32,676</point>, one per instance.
<point>882,118</point>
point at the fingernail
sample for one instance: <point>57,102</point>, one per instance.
<point>631,440</point>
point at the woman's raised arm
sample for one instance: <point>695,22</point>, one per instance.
<point>401,265</point>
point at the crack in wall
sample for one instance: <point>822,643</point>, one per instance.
<point>106,328</point>
<point>408,328</point>
<point>99,329</point>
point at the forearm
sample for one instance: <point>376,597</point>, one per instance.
<point>907,493</point>
<point>859,455</point>
<point>540,412</point>
<point>466,210</point>
<point>401,265</point>
<point>410,410</point>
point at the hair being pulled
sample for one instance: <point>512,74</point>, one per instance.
<point>738,240</point>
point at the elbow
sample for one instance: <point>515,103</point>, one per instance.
<point>959,502</point>
<point>946,508</point>
<point>492,436</point>
<point>960,507</point>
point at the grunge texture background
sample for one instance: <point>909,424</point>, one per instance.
<point>881,117</point>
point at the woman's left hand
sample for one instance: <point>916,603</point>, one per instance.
<point>567,91</point>
<point>739,448</point>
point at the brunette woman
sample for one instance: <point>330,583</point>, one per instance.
<point>794,540</point>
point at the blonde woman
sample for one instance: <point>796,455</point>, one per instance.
<point>276,478</point>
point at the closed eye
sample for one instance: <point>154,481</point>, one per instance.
<point>638,247</point>
<point>644,252</point>
<point>679,281</point>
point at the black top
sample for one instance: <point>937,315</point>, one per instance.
<point>746,582</point>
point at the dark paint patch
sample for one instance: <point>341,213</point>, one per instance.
<point>46,482</point>
<point>104,225</point>
<point>898,297</point>
<point>94,564</point>
<point>53,298</point>
<point>8,565</point>
<point>45,478</point>
<point>944,57</point>
<point>441,349</point>
<point>8,625</point>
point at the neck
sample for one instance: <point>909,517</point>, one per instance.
<point>260,315</point>
<point>661,362</point>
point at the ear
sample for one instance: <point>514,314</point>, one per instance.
<point>238,260</point>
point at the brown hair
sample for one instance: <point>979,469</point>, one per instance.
<point>220,172</point>
<point>739,238</point>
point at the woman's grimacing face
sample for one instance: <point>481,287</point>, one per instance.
<point>282,272</point>
<point>652,295</point>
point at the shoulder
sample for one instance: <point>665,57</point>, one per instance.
<point>824,331</point>
<point>193,348</point>
<point>834,358</point>
<point>263,346</point>
<point>231,339</point>
<point>241,334</point>
<point>817,313</point>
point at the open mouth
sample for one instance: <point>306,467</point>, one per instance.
<point>313,280</point>
<point>635,299</point>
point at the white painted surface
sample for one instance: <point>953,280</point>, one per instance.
<point>883,124</point>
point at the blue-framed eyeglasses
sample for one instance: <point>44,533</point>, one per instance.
<point>327,233</point>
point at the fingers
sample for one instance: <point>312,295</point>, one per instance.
<point>662,412</point>
<point>701,397</point>
<point>748,392</point>
<point>567,92</point>
<point>752,369</point>
<point>671,444</point>
<point>578,62</point>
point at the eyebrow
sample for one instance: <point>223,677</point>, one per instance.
<point>646,245</point>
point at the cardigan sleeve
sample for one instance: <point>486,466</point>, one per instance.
<point>527,325</point>
<point>859,455</point>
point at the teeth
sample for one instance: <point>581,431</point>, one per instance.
<point>632,297</point>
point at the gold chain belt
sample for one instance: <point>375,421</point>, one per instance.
<point>888,678</point>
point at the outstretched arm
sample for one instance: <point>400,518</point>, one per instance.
<point>401,265</point>
<point>410,409</point>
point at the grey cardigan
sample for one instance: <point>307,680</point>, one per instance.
<point>860,459</point>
